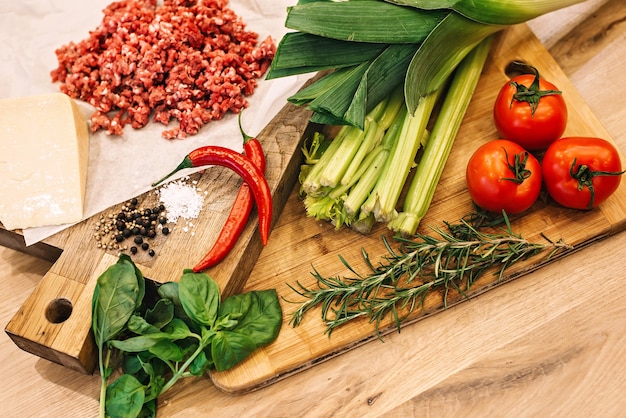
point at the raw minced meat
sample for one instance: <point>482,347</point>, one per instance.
<point>190,61</point>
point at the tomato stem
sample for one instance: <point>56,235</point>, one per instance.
<point>518,167</point>
<point>531,94</point>
<point>584,175</point>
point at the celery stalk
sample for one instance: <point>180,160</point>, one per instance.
<point>366,183</point>
<point>340,159</point>
<point>367,180</point>
<point>372,138</point>
<point>386,193</point>
<point>354,147</point>
<point>437,149</point>
<point>311,184</point>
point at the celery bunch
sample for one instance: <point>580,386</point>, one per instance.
<point>357,178</point>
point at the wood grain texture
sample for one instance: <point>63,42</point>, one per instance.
<point>550,343</point>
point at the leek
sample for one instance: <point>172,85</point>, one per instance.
<point>432,65</point>
<point>363,21</point>
<point>441,32</point>
<point>494,12</point>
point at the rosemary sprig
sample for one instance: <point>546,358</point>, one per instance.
<point>451,260</point>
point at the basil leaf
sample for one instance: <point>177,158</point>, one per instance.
<point>229,348</point>
<point>201,364</point>
<point>167,350</point>
<point>261,315</point>
<point>177,329</point>
<point>161,314</point>
<point>138,325</point>
<point>124,397</point>
<point>200,297</point>
<point>116,297</point>
<point>139,343</point>
<point>169,290</point>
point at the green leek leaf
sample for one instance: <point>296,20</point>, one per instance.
<point>440,53</point>
<point>337,101</point>
<point>364,21</point>
<point>384,74</point>
<point>494,12</point>
<point>300,53</point>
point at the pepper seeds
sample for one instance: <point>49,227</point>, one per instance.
<point>132,223</point>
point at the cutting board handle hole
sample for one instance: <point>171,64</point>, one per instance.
<point>517,67</point>
<point>59,310</point>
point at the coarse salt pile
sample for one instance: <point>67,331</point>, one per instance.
<point>181,200</point>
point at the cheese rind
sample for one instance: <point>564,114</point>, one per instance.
<point>44,153</point>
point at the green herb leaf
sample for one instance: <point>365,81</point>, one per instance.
<point>201,364</point>
<point>167,350</point>
<point>161,314</point>
<point>261,315</point>
<point>199,296</point>
<point>125,397</point>
<point>229,348</point>
<point>138,325</point>
<point>115,298</point>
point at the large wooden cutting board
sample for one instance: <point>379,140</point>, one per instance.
<point>298,244</point>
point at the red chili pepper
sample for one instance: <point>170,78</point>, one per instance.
<point>242,165</point>
<point>240,212</point>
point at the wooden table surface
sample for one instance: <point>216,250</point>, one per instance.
<point>552,343</point>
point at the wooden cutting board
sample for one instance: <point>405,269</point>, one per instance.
<point>298,244</point>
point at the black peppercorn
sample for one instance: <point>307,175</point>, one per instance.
<point>119,238</point>
<point>138,240</point>
<point>133,250</point>
<point>162,220</point>
<point>136,230</point>
<point>151,252</point>
<point>144,246</point>
<point>127,232</point>
<point>165,230</point>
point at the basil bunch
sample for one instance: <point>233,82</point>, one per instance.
<point>156,336</point>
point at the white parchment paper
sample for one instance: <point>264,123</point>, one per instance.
<point>121,167</point>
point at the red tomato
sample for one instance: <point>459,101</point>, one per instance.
<point>530,111</point>
<point>581,172</point>
<point>501,175</point>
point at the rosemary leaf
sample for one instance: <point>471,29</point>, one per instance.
<point>451,260</point>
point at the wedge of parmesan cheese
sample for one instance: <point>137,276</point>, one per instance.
<point>44,151</point>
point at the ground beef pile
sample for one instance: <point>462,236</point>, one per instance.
<point>191,61</point>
